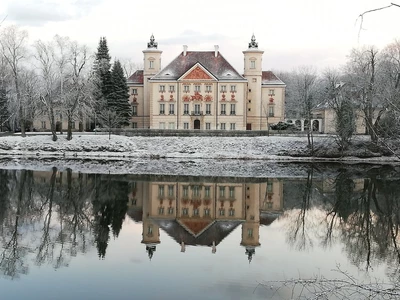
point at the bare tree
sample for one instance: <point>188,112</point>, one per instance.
<point>305,82</point>
<point>78,88</point>
<point>338,100</point>
<point>130,67</point>
<point>49,95</point>
<point>363,73</point>
<point>13,43</point>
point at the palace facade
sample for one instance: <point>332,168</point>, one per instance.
<point>201,90</point>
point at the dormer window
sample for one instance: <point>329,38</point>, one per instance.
<point>252,64</point>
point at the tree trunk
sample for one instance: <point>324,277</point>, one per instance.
<point>69,128</point>
<point>52,125</point>
<point>21,110</point>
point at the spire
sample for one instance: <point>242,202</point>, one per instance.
<point>152,43</point>
<point>253,44</point>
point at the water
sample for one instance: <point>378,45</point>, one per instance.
<point>68,235</point>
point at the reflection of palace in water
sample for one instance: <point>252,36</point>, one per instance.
<point>204,213</point>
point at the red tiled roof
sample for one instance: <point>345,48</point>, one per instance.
<point>270,78</point>
<point>218,66</point>
<point>136,77</point>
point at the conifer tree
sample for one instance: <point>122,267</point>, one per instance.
<point>120,96</point>
<point>102,68</point>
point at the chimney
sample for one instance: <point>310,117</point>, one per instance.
<point>216,47</point>
<point>184,49</point>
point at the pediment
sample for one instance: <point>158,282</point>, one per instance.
<point>197,72</point>
<point>195,226</point>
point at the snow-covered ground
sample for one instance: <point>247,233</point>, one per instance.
<point>197,156</point>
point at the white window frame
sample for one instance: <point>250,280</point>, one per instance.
<point>233,109</point>
<point>186,88</point>
<point>171,109</point>
<point>208,125</point>
<point>223,126</point>
<point>162,109</point>
<point>233,126</point>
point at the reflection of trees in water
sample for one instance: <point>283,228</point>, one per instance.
<point>110,205</point>
<point>47,217</point>
<point>366,219</point>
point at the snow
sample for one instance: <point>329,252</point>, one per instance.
<point>191,156</point>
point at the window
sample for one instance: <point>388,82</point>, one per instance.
<point>207,192</point>
<point>271,93</point>
<point>271,111</point>
<point>162,89</point>
<point>162,109</point>
<point>134,110</point>
<point>208,109</point>
<point>185,191</point>
<point>231,192</point>
<point>232,212</point>
<point>233,126</point>
<point>269,204</point>
<point>222,212</point>
<point>170,191</point>
<point>162,125</point>
<point>250,232</point>
<point>186,88</point>
<point>233,88</point>
<point>197,88</point>
<point>233,109</point>
<point>73,126</point>
<point>223,126</point>
<point>197,109</point>
<point>134,125</point>
<point>171,125</point>
<point>253,80</point>
<point>43,124</point>
<point>172,109</point>
<point>252,64</point>
<point>207,212</point>
<point>185,125</point>
<point>172,88</point>
<point>151,64</point>
<point>196,191</point>
<point>150,230</point>
<point>185,109</point>
<point>208,88</point>
<point>223,109</point>
<point>133,202</point>
<point>195,212</point>
<point>222,191</point>
<point>161,210</point>
<point>170,210</point>
<point>269,186</point>
<point>161,191</point>
<point>223,88</point>
<point>208,126</point>
<point>134,91</point>
<point>185,211</point>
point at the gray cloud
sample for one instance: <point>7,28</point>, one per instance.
<point>39,12</point>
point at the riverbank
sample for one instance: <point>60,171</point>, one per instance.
<point>287,148</point>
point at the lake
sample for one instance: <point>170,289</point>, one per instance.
<point>73,235</point>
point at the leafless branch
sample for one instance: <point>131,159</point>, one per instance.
<point>361,16</point>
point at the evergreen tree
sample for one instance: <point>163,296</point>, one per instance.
<point>120,96</point>
<point>102,68</point>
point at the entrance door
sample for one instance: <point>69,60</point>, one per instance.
<point>196,124</point>
<point>248,126</point>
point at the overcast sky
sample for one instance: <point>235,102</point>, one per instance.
<point>291,32</point>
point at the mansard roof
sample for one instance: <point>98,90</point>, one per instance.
<point>216,65</point>
<point>214,233</point>
<point>136,77</point>
<point>269,78</point>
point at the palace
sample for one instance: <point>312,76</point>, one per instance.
<point>201,90</point>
